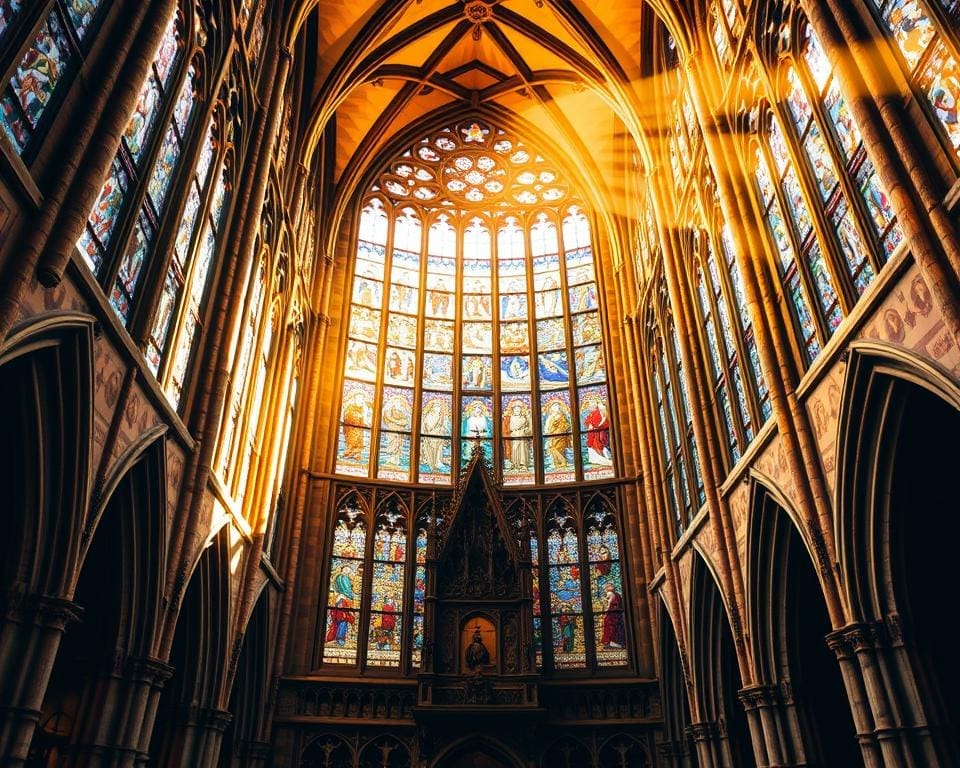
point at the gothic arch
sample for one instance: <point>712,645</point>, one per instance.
<point>46,378</point>
<point>118,591</point>
<point>721,734</point>
<point>458,752</point>
<point>674,684</point>
<point>896,457</point>
<point>188,709</point>
<point>249,686</point>
<point>798,677</point>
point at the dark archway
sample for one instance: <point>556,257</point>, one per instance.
<point>186,713</point>
<point>91,686</point>
<point>676,747</point>
<point>248,701</point>
<point>717,674</point>
<point>790,624</point>
<point>477,752</point>
<point>923,530</point>
<point>897,459</point>
<point>46,406</point>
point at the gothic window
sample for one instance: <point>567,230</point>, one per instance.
<point>387,586</point>
<point>738,308</point>
<point>474,318</point>
<point>52,57</point>
<point>341,642</point>
<point>240,376</point>
<point>684,487</point>
<point>924,35</point>
<point>726,24</point>
<point>606,585</point>
<point>807,275</point>
<point>566,595</point>
<point>537,597</point>
<point>175,323</point>
<point>869,207</point>
<point>419,588</point>
<point>138,184</point>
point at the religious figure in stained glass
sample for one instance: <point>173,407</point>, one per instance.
<point>341,617</point>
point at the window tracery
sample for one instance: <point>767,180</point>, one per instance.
<point>481,320</point>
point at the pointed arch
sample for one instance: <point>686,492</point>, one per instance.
<point>674,692</point>
<point>715,666</point>
<point>789,624</point>
<point>46,381</point>
<point>897,458</point>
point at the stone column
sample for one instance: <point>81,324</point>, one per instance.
<point>30,633</point>
<point>116,713</point>
<point>878,678</point>
<point>707,741</point>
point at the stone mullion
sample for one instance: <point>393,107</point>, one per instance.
<point>773,345</point>
<point>901,160</point>
<point>49,239</point>
<point>30,633</point>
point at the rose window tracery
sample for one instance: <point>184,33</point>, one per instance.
<point>472,165</point>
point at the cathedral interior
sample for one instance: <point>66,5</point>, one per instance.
<point>479,383</point>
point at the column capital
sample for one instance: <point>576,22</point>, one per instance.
<point>41,610</point>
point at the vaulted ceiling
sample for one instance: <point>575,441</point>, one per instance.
<point>564,75</point>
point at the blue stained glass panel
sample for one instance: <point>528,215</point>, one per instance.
<point>8,12</point>
<point>81,14</point>
<point>138,127</point>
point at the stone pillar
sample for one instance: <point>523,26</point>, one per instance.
<point>707,740</point>
<point>878,678</point>
<point>195,742</point>
<point>30,633</point>
<point>110,729</point>
<point>676,753</point>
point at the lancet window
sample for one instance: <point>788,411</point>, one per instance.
<point>924,34</point>
<point>50,60</point>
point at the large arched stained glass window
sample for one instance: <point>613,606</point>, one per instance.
<point>50,60</point>
<point>925,34</point>
<point>474,318</point>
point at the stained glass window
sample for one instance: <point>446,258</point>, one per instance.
<point>240,376</point>
<point>875,218</point>
<point>341,640</point>
<point>566,595</point>
<point>419,591</point>
<point>780,190</point>
<point>726,24</point>
<point>928,55</point>
<point>606,586</point>
<point>681,465</point>
<point>137,163</point>
<point>50,60</point>
<point>537,609</point>
<point>387,587</point>
<point>474,320</point>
